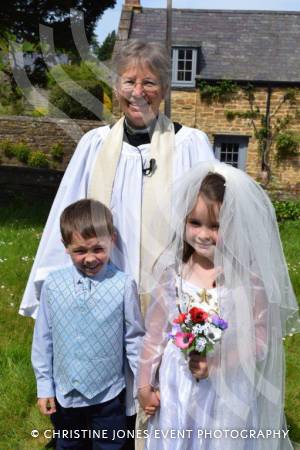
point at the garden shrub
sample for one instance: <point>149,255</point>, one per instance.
<point>39,112</point>
<point>287,210</point>
<point>7,147</point>
<point>74,108</point>
<point>287,145</point>
<point>38,159</point>
<point>21,152</point>
<point>57,152</point>
<point>62,81</point>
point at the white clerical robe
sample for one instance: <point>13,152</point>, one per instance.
<point>191,146</point>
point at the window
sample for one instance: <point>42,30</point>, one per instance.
<point>184,62</point>
<point>232,150</point>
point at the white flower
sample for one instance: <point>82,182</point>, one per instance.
<point>188,322</point>
<point>212,333</point>
<point>198,328</point>
<point>200,344</point>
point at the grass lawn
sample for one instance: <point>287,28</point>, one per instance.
<point>20,230</point>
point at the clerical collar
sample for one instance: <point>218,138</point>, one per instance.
<point>132,131</point>
<point>143,137</point>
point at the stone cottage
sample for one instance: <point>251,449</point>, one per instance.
<point>236,76</point>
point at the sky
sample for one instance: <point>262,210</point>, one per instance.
<point>111,17</point>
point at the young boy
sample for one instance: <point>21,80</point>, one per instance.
<point>88,329</point>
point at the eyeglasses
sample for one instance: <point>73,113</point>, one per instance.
<point>148,86</point>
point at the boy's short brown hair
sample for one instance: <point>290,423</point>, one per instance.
<point>87,217</point>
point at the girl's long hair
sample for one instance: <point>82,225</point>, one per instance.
<point>212,191</point>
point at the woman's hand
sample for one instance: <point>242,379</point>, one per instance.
<point>47,405</point>
<point>149,399</point>
<point>198,365</point>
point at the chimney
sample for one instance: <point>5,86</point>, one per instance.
<point>133,3</point>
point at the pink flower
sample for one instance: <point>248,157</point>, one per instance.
<point>183,340</point>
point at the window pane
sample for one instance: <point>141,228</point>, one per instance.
<point>188,76</point>
<point>180,76</point>
<point>230,153</point>
<point>231,150</point>
<point>180,54</point>
<point>180,65</point>
<point>188,54</point>
<point>188,65</point>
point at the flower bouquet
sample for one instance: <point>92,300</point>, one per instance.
<point>197,331</point>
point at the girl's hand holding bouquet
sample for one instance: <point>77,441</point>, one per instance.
<point>195,333</point>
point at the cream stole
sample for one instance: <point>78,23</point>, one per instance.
<point>154,233</point>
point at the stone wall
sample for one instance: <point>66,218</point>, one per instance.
<point>43,133</point>
<point>31,183</point>
<point>188,109</point>
<point>38,134</point>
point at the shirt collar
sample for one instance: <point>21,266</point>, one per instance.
<point>79,277</point>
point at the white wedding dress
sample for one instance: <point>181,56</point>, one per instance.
<point>187,405</point>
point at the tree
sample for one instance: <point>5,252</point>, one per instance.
<point>22,19</point>
<point>79,91</point>
<point>10,94</point>
<point>104,51</point>
<point>270,128</point>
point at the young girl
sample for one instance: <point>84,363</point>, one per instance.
<point>226,258</point>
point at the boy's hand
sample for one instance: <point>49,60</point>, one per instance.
<point>47,405</point>
<point>149,399</point>
<point>198,365</point>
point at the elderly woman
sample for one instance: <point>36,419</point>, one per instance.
<point>126,166</point>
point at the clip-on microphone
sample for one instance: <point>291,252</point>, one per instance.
<point>149,171</point>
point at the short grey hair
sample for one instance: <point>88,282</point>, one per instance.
<point>151,54</point>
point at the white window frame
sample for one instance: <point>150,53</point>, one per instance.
<point>182,83</point>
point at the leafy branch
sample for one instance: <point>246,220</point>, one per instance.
<point>269,129</point>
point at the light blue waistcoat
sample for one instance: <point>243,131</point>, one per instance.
<point>87,330</point>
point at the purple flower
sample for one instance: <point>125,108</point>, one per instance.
<point>175,329</point>
<point>218,322</point>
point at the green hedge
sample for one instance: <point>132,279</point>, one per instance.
<point>287,210</point>
<point>32,157</point>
